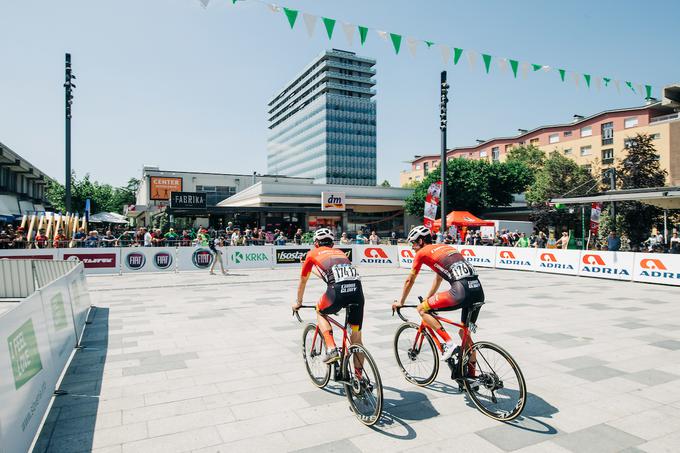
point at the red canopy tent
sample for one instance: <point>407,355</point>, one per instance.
<point>462,219</point>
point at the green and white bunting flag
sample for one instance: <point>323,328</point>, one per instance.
<point>412,44</point>
<point>598,83</point>
<point>617,84</point>
<point>274,8</point>
<point>291,15</point>
<point>348,29</point>
<point>204,3</point>
<point>396,42</point>
<point>514,65</point>
<point>648,91</point>
<point>587,79</point>
<point>446,53</point>
<point>310,23</point>
<point>487,61</point>
<point>457,53</point>
<point>363,32</point>
<point>472,59</point>
<point>524,68</point>
<point>503,65</point>
<point>330,26</point>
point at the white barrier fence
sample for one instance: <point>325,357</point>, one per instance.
<point>38,336</point>
<point>640,267</point>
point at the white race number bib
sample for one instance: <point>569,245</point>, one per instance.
<point>344,272</point>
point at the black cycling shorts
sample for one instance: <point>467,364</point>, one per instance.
<point>347,295</point>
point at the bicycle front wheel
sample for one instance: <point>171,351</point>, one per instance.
<point>312,348</point>
<point>495,384</point>
<point>416,354</point>
<point>364,386</point>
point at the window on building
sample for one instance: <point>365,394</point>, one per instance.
<point>567,133</point>
<point>630,122</point>
<point>608,156</point>
<point>607,133</point>
<point>508,148</point>
<point>655,136</point>
<point>587,167</point>
<point>586,131</point>
<point>534,142</point>
<point>586,150</point>
<point>418,167</point>
<point>426,167</point>
<point>495,153</point>
<point>567,152</point>
<point>554,138</point>
<point>482,153</point>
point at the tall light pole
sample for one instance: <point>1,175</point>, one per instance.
<point>442,126</point>
<point>68,100</point>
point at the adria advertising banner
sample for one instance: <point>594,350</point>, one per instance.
<point>406,257</point>
<point>557,261</point>
<point>96,261</point>
<point>26,373</point>
<point>478,255</point>
<point>148,259</point>
<point>518,258</point>
<point>290,256</point>
<point>657,268</point>
<point>613,265</point>
<point>250,257</point>
<point>378,255</point>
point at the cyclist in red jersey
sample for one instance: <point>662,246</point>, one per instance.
<point>343,288</point>
<point>448,265</point>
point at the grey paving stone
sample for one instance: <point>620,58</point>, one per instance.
<point>652,377</point>
<point>339,446</point>
<point>598,439</point>
<point>154,368</point>
<point>553,337</point>
<point>583,361</point>
<point>673,345</point>
<point>320,397</point>
<point>632,325</point>
<point>510,437</point>
<point>596,373</point>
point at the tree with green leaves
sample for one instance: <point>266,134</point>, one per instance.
<point>639,169</point>
<point>474,185</point>
<point>529,155</point>
<point>558,176</point>
<point>103,197</point>
<point>385,183</point>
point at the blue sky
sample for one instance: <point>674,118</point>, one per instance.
<point>169,83</point>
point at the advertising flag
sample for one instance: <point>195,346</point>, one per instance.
<point>595,210</point>
<point>431,202</point>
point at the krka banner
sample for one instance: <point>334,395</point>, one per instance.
<point>434,192</point>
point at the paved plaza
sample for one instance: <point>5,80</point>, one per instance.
<point>193,362</point>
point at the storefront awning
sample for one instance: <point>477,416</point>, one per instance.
<point>26,207</point>
<point>9,206</point>
<point>662,197</point>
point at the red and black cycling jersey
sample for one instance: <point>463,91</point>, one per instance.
<point>445,261</point>
<point>333,265</point>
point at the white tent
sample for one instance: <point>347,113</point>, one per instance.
<point>108,217</point>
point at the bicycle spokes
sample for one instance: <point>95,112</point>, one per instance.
<point>363,385</point>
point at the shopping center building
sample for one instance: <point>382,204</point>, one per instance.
<point>598,138</point>
<point>22,186</point>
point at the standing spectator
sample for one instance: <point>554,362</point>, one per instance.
<point>217,255</point>
<point>281,239</point>
<point>19,241</point>
<point>147,237</point>
<point>262,236</point>
<point>625,243</point>
<point>563,242</point>
<point>41,239</point>
<point>360,239</point>
<point>59,239</point>
<point>674,246</point>
<point>448,239</point>
<point>236,237</point>
<point>522,241</point>
<point>613,242</point>
<point>541,240</point>
<point>298,237</point>
<point>171,237</point>
<point>374,239</point>
<point>92,239</point>
<point>652,242</point>
<point>109,240</point>
<point>393,238</point>
<point>79,237</point>
<point>186,238</point>
<point>5,239</point>
<point>344,240</point>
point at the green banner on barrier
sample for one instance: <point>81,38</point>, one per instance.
<point>23,353</point>
<point>58,312</point>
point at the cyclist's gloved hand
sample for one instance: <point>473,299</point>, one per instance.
<point>296,305</point>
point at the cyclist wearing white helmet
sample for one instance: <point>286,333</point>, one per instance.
<point>448,265</point>
<point>343,288</point>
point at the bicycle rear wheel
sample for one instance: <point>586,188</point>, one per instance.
<point>364,390</point>
<point>319,372</point>
<point>416,354</point>
<point>498,388</point>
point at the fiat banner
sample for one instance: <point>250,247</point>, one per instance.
<point>250,257</point>
<point>613,265</point>
<point>380,255</point>
<point>96,261</point>
<point>515,258</point>
<point>557,261</point>
<point>477,255</point>
<point>196,258</point>
<point>657,268</point>
<point>290,256</point>
<point>148,259</point>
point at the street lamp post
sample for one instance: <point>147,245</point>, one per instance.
<point>442,126</point>
<point>68,100</point>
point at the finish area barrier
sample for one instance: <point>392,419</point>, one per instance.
<point>38,333</point>
<point>639,267</point>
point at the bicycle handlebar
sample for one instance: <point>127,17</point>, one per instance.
<point>297,315</point>
<point>398,310</point>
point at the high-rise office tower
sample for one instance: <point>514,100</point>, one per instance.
<point>322,124</point>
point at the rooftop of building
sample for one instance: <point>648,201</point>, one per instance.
<point>18,164</point>
<point>149,169</point>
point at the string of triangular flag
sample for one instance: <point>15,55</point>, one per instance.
<point>412,43</point>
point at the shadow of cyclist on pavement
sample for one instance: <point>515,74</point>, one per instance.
<point>411,406</point>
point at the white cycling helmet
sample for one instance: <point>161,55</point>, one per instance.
<point>418,232</point>
<point>322,234</point>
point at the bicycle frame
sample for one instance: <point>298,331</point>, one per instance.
<point>317,331</point>
<point>428,329</point>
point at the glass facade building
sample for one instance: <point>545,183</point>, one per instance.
<point>322,125</point>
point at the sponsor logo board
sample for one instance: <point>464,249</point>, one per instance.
<point>479,256</point>
<point>332,201</point>
<point>377,254</point>
<point>516,258</point>
<point>162,260</point>
<point>290,255</point>
<point>612,265</point>
<point>557,261</point>
<point>250,257</point>
<point>135,260</point>
<point>23,353</point>
<point>655,268</point>
<point>93,260</point>
<point>202,258</point>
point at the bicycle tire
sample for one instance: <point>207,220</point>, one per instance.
<point>521,397</point>
<point>319,379</point>
<point>355,389</point>
<point>428,378</point>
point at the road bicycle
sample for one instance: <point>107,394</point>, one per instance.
<point>364,389</point>
<point>497,388</point>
